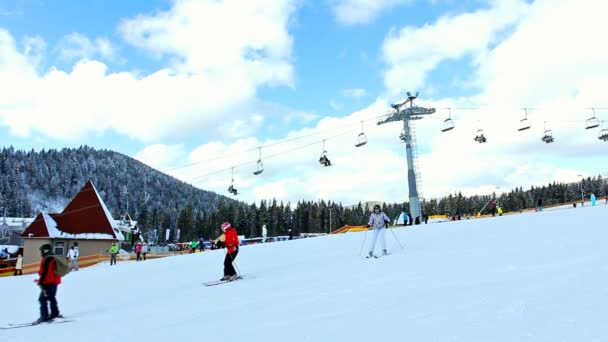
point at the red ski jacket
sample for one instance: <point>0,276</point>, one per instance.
<point>232,239</point>
<point>47,272</point>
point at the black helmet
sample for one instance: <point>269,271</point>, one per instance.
<point>46,249</point>
<point>377,206</point>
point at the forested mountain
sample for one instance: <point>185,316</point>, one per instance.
<point>47,180</point>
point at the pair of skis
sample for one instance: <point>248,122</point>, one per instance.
<point>219,282</point>
<point>376,256</point>
<point>31,324</point>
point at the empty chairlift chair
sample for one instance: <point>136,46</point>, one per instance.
<point>592,122</point>
<point>260,165</point>
<point>448,124</point>
<point>547,136</point>
<point>524,124</point>
<point>361,138</point>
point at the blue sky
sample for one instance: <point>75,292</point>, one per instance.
<point>177,82</point>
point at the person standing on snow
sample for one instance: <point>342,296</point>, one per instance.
<point>379,222</point>
<point>113,251</point>
<point>48,283</point>
<point>592,197</point>
<point>264,233</point>
<point>231,242</point>
<point>19,265</point>
<point>73,257</point>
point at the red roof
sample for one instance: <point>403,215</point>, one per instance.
<point>86,213</point>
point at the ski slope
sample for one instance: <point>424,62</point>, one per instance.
<point>530,277</point>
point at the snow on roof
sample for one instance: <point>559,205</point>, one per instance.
<point>103,205</point>
<point>54,232</point>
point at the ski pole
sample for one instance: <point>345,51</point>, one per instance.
<point>363,243</point>
<point>399,242</point>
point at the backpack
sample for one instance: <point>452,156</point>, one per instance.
<point>61,267</point>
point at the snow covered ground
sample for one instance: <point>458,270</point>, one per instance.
<point>530,277</point>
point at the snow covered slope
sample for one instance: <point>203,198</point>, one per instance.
<point>529,277</point>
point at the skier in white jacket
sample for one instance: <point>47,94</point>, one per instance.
<point>379,222</point>
<point>73,256</point>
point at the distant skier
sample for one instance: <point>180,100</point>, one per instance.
<point>138,248</point>
<point>231,242</point>
<point>539,204</point>
<point>379,221</point>
<point>264,233</point>
<point>592,197</point>
<point>113,251</point>
<point>290,234</point>
<point>73,257</point>
<point>493,207</point>
<point>499,210</point>
<point>48,283</point>
<point>606,200</point>
<point>19,265</point>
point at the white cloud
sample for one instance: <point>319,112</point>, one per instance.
<point>412,52</point>
<point>211,76</point>
<point>161,156</point>
<point>531,67</point>
<point>77,46</point>
<point>352,12</point>
<point>354,93</point>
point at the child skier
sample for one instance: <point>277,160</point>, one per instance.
<point>48,283</point>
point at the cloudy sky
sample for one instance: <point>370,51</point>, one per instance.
<point>195,87</point>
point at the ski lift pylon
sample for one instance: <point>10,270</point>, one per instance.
<point>260,165</point>
<point>524,124</point>
<point>448,124</point>
<point>361,139</point>
<point>592,122</point>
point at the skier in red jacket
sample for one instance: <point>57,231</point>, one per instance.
<point>232,245</point>
<point>47,282</point>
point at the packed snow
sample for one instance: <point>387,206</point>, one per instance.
<point>536,276</point>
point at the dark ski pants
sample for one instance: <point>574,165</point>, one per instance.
<point>138,256</point>
<point>228,267</point>
<point>113,258</point>
<point>48,295</point>
<point>18,271</point>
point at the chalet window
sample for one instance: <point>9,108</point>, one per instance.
<point>59,248</point>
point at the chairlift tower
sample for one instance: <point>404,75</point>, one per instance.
<point>406,112</point>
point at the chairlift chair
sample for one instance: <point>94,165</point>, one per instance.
<point>361,139</point>
<point>231,188</point>
<point>524,124</point>
<point>603,134</point>
<point>260,165</point>
<point>592,122</point>
<point>479,137</point>
<point>547,136</point>
<point>448,124</point>
<point>323,160</point>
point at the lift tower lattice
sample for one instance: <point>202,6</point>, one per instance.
<point>405,113</point>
